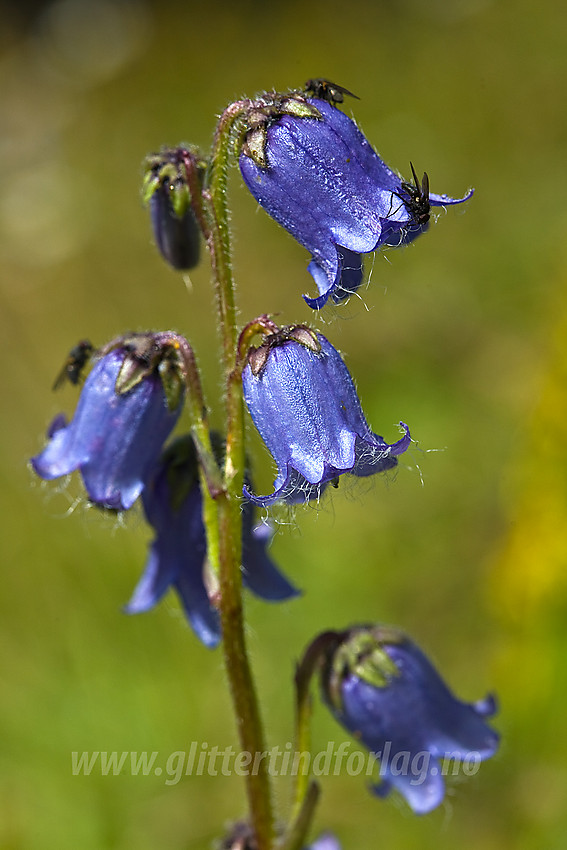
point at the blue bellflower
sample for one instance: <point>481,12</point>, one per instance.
<point>178,555</point>
<point>309,166</point>
<point>304,404</point>
<point>127,408</point>
<point>385,691</point>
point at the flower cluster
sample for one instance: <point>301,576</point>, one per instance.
<point>129,404</point>
<point>310,167</point>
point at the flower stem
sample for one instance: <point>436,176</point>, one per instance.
<point>306,792</point>
<point>229,499</point>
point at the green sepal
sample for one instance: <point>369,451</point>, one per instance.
<point>262,114</point>
<point>168,169</point>
<point>145,355</point>
<point>172,379</point>
<point>363,654</point>
<point>299,107</point>
<point>302,334</point>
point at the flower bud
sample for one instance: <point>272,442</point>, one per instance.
<point>166,190</point>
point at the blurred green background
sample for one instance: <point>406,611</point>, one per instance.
<point>462,335</point>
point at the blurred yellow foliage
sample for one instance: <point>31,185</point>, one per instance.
<point>530,571</point>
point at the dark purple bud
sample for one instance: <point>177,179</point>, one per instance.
<point>319,178</point>
<point>167,191</point>
<point>304,404</point>
<point>126,411</point>
<point>178,554</point>
<point>384,690</point>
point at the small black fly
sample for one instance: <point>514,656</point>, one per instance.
<point>76,361</point>
<point>326,90</point>
<point>416,197</point>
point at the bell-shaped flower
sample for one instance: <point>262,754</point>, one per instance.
<point>310,167</point>
<point>304,404</point>
<point>385,691</point>
<point>128,406</point>
<point>178,554</point>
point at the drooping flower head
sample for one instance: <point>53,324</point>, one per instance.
<point>178,554</point>
<point>128,406</point>
<point>166,190</point>
<point>304,404</point>
<point>309,166</point>
<point>385,691</point>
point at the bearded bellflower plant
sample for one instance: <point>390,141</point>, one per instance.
<point>311,168</point>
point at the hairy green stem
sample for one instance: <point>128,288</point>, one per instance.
<point>305,796</point>
<point>228,501</point>
<point>295,836</point>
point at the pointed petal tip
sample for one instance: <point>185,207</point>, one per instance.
<point>316,303</point>
<point>209,638</point>
<point>447,200</point>
<point>423,792</point>
<point>403,444</point>
<point>261,501</point>
<point>487,707</point>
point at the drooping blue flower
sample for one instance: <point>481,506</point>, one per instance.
<point>128,406</point>
<point>310,167</point>
<point>178,554</point>
<point>304,404</point>
<point>385,691</point>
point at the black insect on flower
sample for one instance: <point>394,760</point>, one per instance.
<point>326,90</point>
<point>416,197</point>
<point>314,172</point>
<point>128,406</point>
<point>74,364</point>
